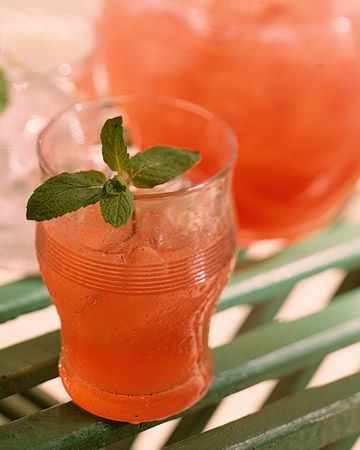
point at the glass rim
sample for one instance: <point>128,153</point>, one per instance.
<point>147,98</point>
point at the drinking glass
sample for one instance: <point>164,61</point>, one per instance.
<point>135,302</point>
<point>45,52</point>
<point>285,74</point>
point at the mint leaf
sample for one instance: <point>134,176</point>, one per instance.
<point>65,193</point>
<point>113,145</point>
<point>4,91</point>
<point>116,202</point>
<point>160,164</point>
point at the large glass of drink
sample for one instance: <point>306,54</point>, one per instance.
<point>135,302</point>
<point>285,74</point>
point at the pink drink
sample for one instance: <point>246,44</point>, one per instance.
<point>135,302</point>
<point>284,74</point>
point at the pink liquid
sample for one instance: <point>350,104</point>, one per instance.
<point>286,77</point>
<point>135,309</point>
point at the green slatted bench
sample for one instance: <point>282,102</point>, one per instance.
<point>293,417</point>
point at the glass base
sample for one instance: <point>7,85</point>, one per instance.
<point>137,408</point>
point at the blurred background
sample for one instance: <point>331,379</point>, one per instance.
<point>284,74</point>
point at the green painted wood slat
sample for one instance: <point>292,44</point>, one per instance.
<point>344,444</point>
<point>299,380</point>
<point>25,403</point>
<point>40,398</point>
<point>309,419</point>
<point>29,363</point>
<point>16,406</point>
<point>269,351</point>
<point>339,247</point>
<point>21,297</point>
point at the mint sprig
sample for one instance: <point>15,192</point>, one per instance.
<point>4,91</point>
<point>68,192</point>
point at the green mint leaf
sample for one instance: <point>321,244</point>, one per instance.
<point>116,202</point>
<point>113,145</point>
<point>4,91</point>
<point>65,193</point>
<point>160,164</point>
